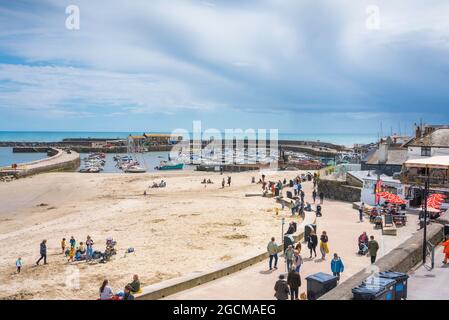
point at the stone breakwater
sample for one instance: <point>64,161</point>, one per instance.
<point>59,160</point>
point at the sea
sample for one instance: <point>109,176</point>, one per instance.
<point>151,159</point>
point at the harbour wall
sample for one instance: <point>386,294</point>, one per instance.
<point>59,160</point>
<point>401,259</point>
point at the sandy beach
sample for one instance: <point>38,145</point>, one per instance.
<point>175,230</point>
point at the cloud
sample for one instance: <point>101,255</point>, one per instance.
<point>297,57</point>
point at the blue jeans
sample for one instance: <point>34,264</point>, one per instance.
<point>275,257</point>
<point>289,264</point>
<point>89,252</point>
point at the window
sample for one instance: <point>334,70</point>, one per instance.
<point>425,151</point>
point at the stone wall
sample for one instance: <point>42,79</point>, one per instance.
<point>353,181</point>
<point>339,190</point>
<point>401,259</point>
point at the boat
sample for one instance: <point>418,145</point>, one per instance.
<point>169,166</point>
<point>135,169</point>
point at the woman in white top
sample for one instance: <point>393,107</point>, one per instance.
<point>106,292</point>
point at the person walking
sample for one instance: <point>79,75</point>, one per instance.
<point>337,266</point>
<point>324,249</point>
<point>223,183</point>
<point>302,194</point>
<point>281,289</point>
<point>229,181</point>
<point>294,282</point>
<point>373,247</point>
<point>361,211</point>
<point>321,197</point>
<point>19,264</point>
<point>273,249</point>
<point>297,260</point>
<point>446,250</point>
<point>43,252</point>
<point>312,242</point>
<point>289,256</point>
<point>314,196</point>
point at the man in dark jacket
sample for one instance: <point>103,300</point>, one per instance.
<point>373,247</point>
<point>281,288</point>
<point>294,281</point>
<point>43,252</point>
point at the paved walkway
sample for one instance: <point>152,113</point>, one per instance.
<point>340,221</point>
<point>430,285</point>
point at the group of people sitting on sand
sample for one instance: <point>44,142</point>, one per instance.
<point>107,293</point>
<point>161,184</point>
<point>208,181</point>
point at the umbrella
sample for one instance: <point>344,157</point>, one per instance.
<point>435,200</point>
<point>386,195</point>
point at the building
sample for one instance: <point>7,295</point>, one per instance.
<point>368,193</point>
<point>429,141</point>
<point>161,138</point>
<point>416,172</point>
<point>386,159</point>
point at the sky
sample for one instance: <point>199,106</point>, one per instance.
<point>329,66</point>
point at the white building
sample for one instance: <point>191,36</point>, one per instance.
<point>368,193</point>
<point>429,141</point>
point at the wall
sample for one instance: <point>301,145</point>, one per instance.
<point>339,190</point>
<point>415,152</point>
<point>401,259</point>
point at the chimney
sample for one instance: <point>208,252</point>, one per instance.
<point>417,131</point>
<point>383,152</point>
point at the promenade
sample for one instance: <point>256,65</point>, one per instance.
<point>430,285</point>
<point>340,221</point>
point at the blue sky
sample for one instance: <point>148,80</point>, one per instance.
<point>299,66</point>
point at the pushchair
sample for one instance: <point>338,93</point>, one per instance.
<point>110,250</point>
<point>363,249</point>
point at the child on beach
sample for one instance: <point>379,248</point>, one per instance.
<point>63,245</point>
<point>72,241</point>
<point>19,264</point>
<point>71,253</point>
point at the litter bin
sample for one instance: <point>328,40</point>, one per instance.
<point>307,229</point>
<point>388,284</point>
<point>320,283</point>
<point>400,287</point>
<point>369,292</point>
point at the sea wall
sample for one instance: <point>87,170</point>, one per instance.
<point>339,190</point>
<point>402,259</point>
<point>58,161</point>
<point>172,286</point>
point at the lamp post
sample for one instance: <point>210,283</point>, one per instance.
<point>425,196</point>
<point>283,242</point>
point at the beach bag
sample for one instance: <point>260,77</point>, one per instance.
<point>303,296</point>
<point>130,250</point>
<point>324,247</point>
